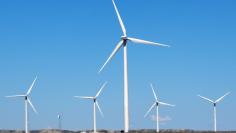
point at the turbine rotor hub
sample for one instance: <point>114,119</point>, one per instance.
<point>124,38</point>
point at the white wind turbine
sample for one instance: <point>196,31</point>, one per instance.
<point>156,103</point>
<point>214,104</point>
<point>123,43</point>
<point>27,101</point>
<point>95,103</point>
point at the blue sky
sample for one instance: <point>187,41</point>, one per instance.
<point>66,42</point>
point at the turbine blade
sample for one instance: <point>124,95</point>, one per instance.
<point>99,109</point>
<point>150,109</point>
<point>119,18</point>
<point>219,99</point>
<point>135,40</point>
<point>167,104</point>
<point>84,97</point>
<point>101,89</point>
<point>118,46</point>
<point>30,89</point>
<point>32,106</point>
<point>153,91</point>
<point>15,96</point>
<point>206,99</point>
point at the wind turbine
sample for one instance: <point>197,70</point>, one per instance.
<point>123,43</point>
<point>59,117</point>
<point>95,104</point>
<point>214,104</point>
<point>27,101</point>
<point>156,103</point>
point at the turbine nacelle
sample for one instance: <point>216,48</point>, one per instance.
<point>214,104</point>
<point>94,99</point>
<point>124,38</point>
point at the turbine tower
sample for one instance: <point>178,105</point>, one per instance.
<point>27,101</point>
<point>59,117</point>
<point>123,43</point>
<point>95,104</point>
<point>156,103</point>
<point>214,106</point>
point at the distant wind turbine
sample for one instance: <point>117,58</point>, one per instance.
<point>214,104</point>
<point>59,117</point>
<point>95,104</point>
<point>156,103</point>
<point>123,43</point>
<point>27,101</point>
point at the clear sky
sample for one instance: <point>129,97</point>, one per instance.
<point>66,42</point>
